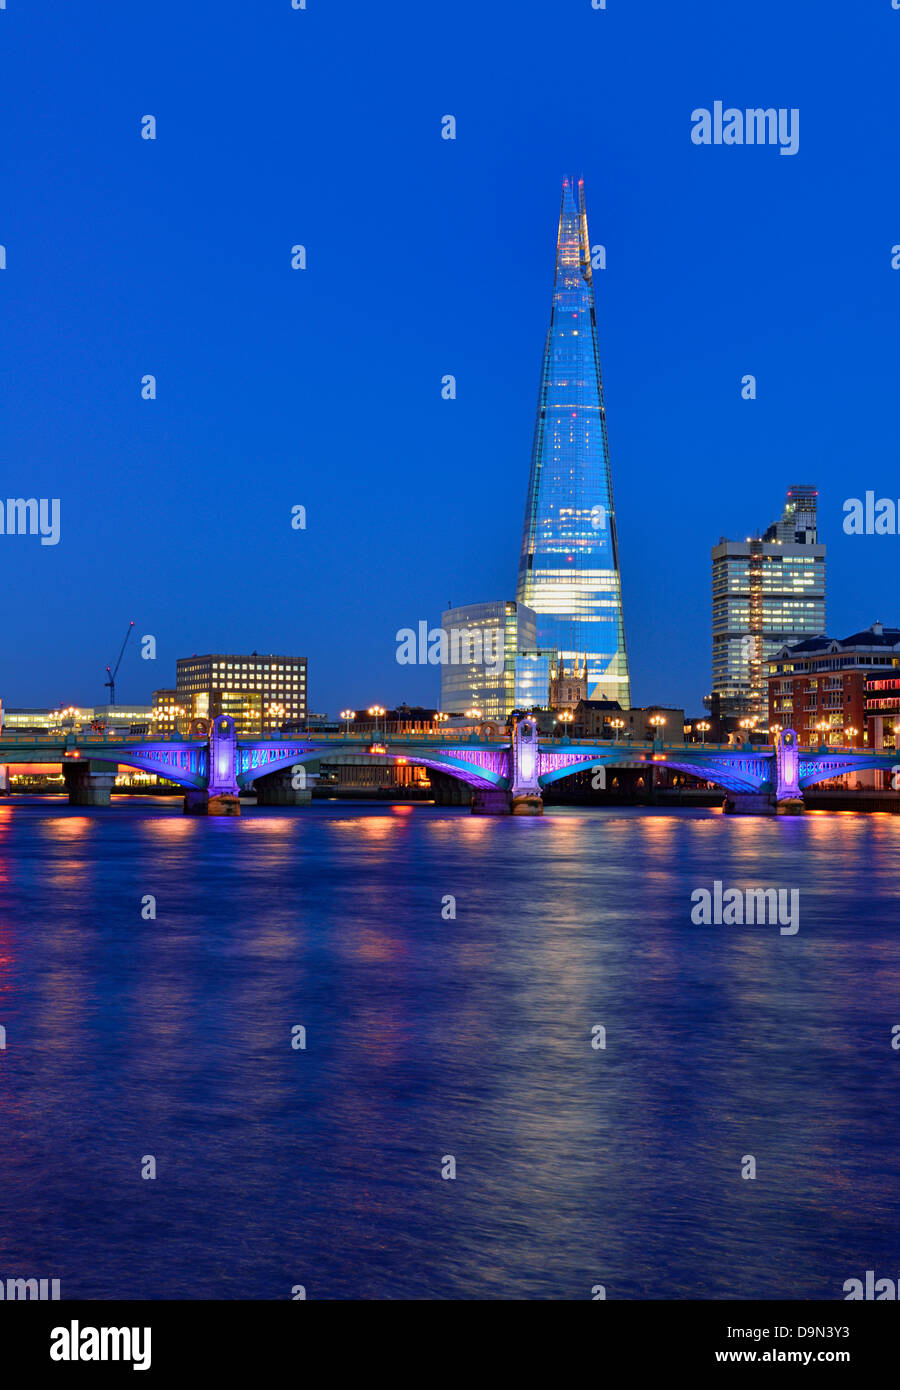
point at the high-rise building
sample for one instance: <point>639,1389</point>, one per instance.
<point>483,643</point>
<point>260,692</point>
<point>569,565</point>
<point>799,520</point>
<point>767,591</point>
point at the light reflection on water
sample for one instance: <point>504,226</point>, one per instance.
<point>427,1037</point>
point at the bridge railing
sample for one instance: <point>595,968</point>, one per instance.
<point>442,735</point>
<point>89,740</point>
<point>642,745</point>
<point>439,735</point>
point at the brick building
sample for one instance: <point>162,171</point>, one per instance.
<point>819,686</point>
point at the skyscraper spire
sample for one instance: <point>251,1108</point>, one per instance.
<point>569,565</point>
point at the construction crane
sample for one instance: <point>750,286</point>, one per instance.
<point>111,683</point>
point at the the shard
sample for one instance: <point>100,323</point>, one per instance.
<point>569,566</point>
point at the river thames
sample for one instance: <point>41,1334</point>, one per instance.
<point>432,1037</point>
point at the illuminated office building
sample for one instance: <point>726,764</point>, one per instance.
<point>126,718</point>
<point>569,564</point>
<point>483,646</point>
<point>767,592</point>
<point>259,692</point>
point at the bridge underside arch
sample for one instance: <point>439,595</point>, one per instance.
<point>737,779</point>
<point>259,762</point>
<point>184,765</point>
<point>474,774</point>
<point>471,773</point>
<point>732,780</point>
<point>814,770</point>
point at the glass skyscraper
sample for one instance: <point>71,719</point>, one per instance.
<point>767,592</point>
<point>569,566</point>
<point>484,646</point>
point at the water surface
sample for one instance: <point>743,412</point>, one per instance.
<point>429,1036</point>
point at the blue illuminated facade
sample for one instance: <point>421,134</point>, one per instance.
<point>569,566</point>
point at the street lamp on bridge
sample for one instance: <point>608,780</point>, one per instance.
<point>748,725</point>
<point>348,715</point>
<point>618,725</point>
<point>851,733</point>
<point>702,729</point>
<point>658,721</point>
<point>375,711</point>
<point>822,729</point>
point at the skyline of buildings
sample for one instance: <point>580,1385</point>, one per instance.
<point>487,324</point>
<point>768,590</point>
<point>568,643</point>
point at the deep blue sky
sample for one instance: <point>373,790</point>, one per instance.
<point>425,257</point>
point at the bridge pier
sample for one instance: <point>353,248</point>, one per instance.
<point>220,796</point>
<point>750,804</point>
<point>89,783</point>
<point>524,758</point>
<point>198,802</point>
<point>490,802</point>
<point>789,797</point>
<point>285,788</point>
<point>762,804</point>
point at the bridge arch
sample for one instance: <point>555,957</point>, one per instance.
<point>822,769</point>
<point>255,761</point>
<point>182,763</point>
<point>474,773</point>
<point>741,778</point>
<point>738,775</point>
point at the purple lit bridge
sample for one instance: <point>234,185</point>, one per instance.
<point>507,773</point>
